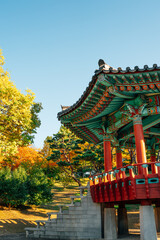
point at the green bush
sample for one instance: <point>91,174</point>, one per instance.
<point>39,188</point>
<point>13,187</point>
<point>19,188</point>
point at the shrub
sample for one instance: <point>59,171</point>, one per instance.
<point>39,188</point>
<point>19,188</point>
<point>13,186</point>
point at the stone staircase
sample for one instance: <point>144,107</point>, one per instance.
<point>82,220</point>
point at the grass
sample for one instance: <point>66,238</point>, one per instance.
<point>15,220</point>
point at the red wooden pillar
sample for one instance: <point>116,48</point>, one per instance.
<point>119,160</point>
<point>107,154</point>
<point>118,157</point>
<point>153,159</point>
<point>139,140</point>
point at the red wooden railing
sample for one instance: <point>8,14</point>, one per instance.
<point>116,186</point>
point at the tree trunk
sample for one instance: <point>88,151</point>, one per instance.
<point>76,180</point>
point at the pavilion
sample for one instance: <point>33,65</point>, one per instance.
<point>121,109</point>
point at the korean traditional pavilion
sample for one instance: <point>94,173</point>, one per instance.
<point>121,109</point>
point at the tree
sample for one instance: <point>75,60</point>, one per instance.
<point>46,150</point>
<point>74,156</point>
<point>18,115</point>
<point>49,166</point>
<point>28,135</point>
<point>63,145</point>
<point>132,154</point>
<point>27,157</point>
<point>92,157</point>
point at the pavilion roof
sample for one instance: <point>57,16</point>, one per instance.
<point>104,105</point>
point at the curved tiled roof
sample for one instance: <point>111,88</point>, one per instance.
<point>106,69</point>
<point>81,99</point>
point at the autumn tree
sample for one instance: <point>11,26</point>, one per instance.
<point>18,115</point>
<point>127,156</point>
<point>74,156</point>
<point>27,157</point>
<point>63,145</point>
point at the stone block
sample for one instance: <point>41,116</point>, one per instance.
<point>77,212</point>
<point>71,234</point>
<point>147,223</point>
<point>59,221</point>
<point>77,204</point>
<point>71,221</point>
<point>51,237</point>
<point>51,226</point>
<point>84,201</point>
<point>82,234</point>
<point>62,235</point>
<point>54,220</point>
<point>50,232</point>
<point>59,215</point>
<point>93,216</point>
<point>83,220</point>
<point>65,212</point>
<point>110,231</point>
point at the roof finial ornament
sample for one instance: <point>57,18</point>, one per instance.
<point>102,64</point>
<point>64,107</point>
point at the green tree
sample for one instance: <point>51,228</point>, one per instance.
<point>74,156</point>
<point>28,134</point>
<point>92,158</point>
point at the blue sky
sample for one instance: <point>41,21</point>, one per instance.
<point>52,47</point>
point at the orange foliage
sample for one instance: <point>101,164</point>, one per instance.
<point>27,156</point>
<point>51,164</point>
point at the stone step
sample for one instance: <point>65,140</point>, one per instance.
<point>63,216</point>
<point>69,238</point>
<point>30,231</point>
<point>70,235</point>
<point>69,221</point>
<point>75,207</point>
<point>73,222</point>
<point>34,229</point>
<point>72,228</point>
<point>77,204</point>
<point>65,212</point>
<point>81,220</point>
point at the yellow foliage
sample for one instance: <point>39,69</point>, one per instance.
<point>15,113</point>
